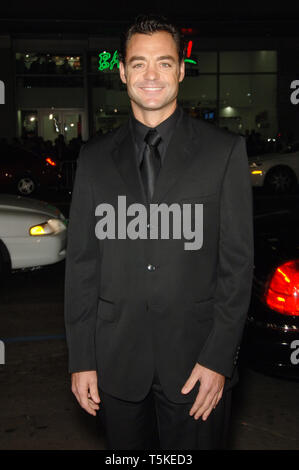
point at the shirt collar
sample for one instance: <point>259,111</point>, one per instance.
<point>165,128</point>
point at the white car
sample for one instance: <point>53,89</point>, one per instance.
<point>32,233</point>
<point>278,172</point>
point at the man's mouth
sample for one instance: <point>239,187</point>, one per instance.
<point>151,88</point>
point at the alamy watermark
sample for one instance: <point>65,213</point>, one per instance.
<point>2,92</point>
<point>159,218</point>
<point>2,353</point>
<point>295,94</point>
<point>295,354</point>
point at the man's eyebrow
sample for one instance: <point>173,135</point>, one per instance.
<point>166,57</point>
<point>136,57</point>
<point>162,57</point>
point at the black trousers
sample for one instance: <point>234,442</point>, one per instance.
<point>157,423</point>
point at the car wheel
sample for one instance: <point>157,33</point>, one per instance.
<point>26,186</point>
<point>280,180</point>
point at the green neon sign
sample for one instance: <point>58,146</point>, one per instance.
<point>190,61</point>
<point>106,62</point>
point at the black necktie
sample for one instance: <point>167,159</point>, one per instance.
<point>151,162</point>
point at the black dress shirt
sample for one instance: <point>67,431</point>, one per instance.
<point>165,129</point>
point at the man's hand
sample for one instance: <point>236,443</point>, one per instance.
<point>85,389</point>
<point>210,390</point>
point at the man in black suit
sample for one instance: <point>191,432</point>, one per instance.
<point>154,322</point>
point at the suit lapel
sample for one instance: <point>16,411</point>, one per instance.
<point>125,159</point>
<point>179,155</point>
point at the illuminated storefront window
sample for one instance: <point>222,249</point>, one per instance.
<point>248,89</point>
<point>248,61</point>
<point>52,84</point>
<point>248,102</point>
<point>29,123</point>
<point>233,89</point>
<point>48,64</point>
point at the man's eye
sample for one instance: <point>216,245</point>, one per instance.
<point>136,66</point>
<point>166,64</point>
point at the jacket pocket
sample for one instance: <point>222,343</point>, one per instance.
<point>106,310</point>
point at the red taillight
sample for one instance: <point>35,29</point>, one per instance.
<point>282,294</point>
<point>50,161</point>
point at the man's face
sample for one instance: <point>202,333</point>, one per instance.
<point>152,71</point>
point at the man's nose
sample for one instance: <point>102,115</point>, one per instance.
<point>151,73</point>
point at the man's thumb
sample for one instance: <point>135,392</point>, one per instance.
<point>189,384</point>
<point>94,393</point>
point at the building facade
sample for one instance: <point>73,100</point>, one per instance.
<point>72,87</point>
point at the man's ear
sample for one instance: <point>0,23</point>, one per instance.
<point>182,71</point>
<point>122,72</point>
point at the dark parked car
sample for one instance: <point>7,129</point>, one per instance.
<point>23,172</point>
<point>271,339</point>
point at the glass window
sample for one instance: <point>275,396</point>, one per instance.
<point>29,123</point>
<point>206,61</point>
<point>248,102</point>
<point>198,91</point>
<point>35,63</point>
<point>248,61</point>
<point>107,118</point>
<point>57,122</point>
<point>198,96</point>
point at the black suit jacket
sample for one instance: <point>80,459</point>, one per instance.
<point>122,318</point>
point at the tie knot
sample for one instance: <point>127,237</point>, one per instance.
<point>152,138</point>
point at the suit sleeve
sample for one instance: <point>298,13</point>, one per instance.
<point>81,273</point>
<point>235,265</point>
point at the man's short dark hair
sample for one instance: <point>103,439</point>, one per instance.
<point>148,24</point>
